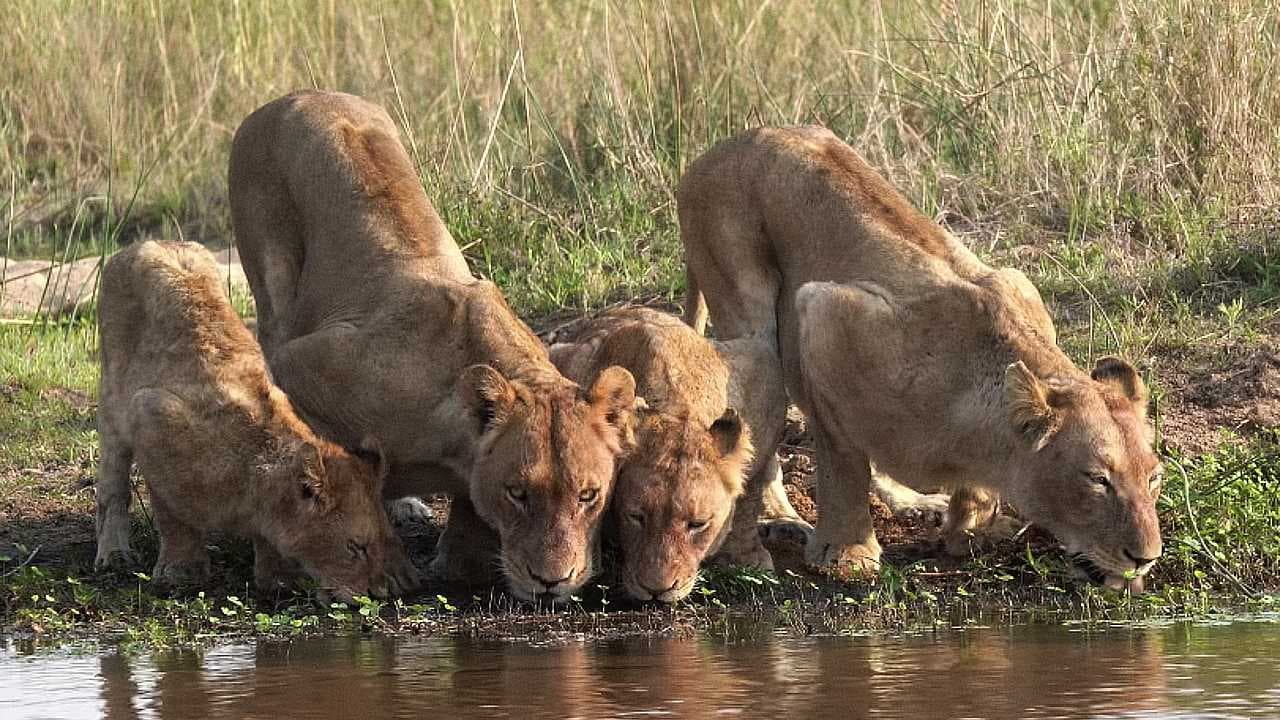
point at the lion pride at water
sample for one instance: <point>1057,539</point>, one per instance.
<point>373,324</point>
<point>186,395</point>
<point>905,350</point>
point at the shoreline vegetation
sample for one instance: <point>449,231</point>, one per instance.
<point>1124,155</point>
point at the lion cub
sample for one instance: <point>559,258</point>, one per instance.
<point>675,491</point>
<point>185,393</point>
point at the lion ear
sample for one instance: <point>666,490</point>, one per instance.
<point>309,464</point>
<point>488,395</point>
<point>733,441</point>
<point>614,395</point>
<point>1028,401</point>
<point>370,451</point>
<point>1124,379</point>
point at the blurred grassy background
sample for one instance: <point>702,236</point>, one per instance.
<point>1118,135</point>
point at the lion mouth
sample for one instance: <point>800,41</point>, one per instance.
<point>1096,574</point>
<point>676,592</point>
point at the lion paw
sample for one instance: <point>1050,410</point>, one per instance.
<point>408,511</point>
<point>860,559</point>
<point>751,556</point>
<point>962,543</point>
<point>180,575</point>
<point>929,510</point>
<point>786,531</point>
<point>115,558</point>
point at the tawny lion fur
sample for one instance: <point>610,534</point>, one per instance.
<point>905,350</point>
<point>185,393</point>
<point>373,324</point>
<point>674,496</point>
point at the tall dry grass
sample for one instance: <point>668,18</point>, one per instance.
<point>552,133</point>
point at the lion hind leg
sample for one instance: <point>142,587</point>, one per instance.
<point>728,281</point>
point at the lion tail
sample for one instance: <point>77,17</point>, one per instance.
<point>695,305</point>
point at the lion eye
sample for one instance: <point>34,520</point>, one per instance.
<point>698,525</point>
<point>588,496</point>
<point>1100,481</point>
<point>637,518</point>
<point>517,494</point>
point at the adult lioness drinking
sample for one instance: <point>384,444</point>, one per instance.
<point>372,322</point>
<point>905,350</point>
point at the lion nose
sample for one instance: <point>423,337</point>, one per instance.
<point>549,584</point>
<point>1140,562</point>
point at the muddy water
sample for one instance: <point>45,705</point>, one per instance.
<point>1189,670</point>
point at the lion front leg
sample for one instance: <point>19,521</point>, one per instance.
<point>183,561</point>
<point>271,570</point>
<point>845,537</point>
<point>112,497</point>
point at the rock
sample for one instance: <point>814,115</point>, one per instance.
<point>39,288</point>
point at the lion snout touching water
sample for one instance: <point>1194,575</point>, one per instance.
<point>186,395</point>
<point>904,350</point>
<point>372,322</point>
<point>676,489</point>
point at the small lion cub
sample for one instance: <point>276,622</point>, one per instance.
<point>186,394</point>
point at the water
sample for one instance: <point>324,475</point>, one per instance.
<point>1183,671</point>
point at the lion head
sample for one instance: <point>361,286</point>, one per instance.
<point>674,500</point>
<point>544,471</point>
<point>331,521</point>
<point>1091,476</point>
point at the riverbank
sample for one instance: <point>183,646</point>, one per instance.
<point>1218,512</point>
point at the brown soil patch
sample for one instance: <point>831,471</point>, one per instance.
<point>1237,389</point>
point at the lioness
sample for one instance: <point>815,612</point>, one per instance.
<point>903,349</point>
<point>674,495</point>
<point>373,324</point>
<point>185,392</point>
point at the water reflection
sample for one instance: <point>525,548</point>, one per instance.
<point>1187,670</point>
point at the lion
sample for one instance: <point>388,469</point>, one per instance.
<point>903,349</point>
<point>675,490</point>
<point>372,322</point>
<point>186,395</point>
